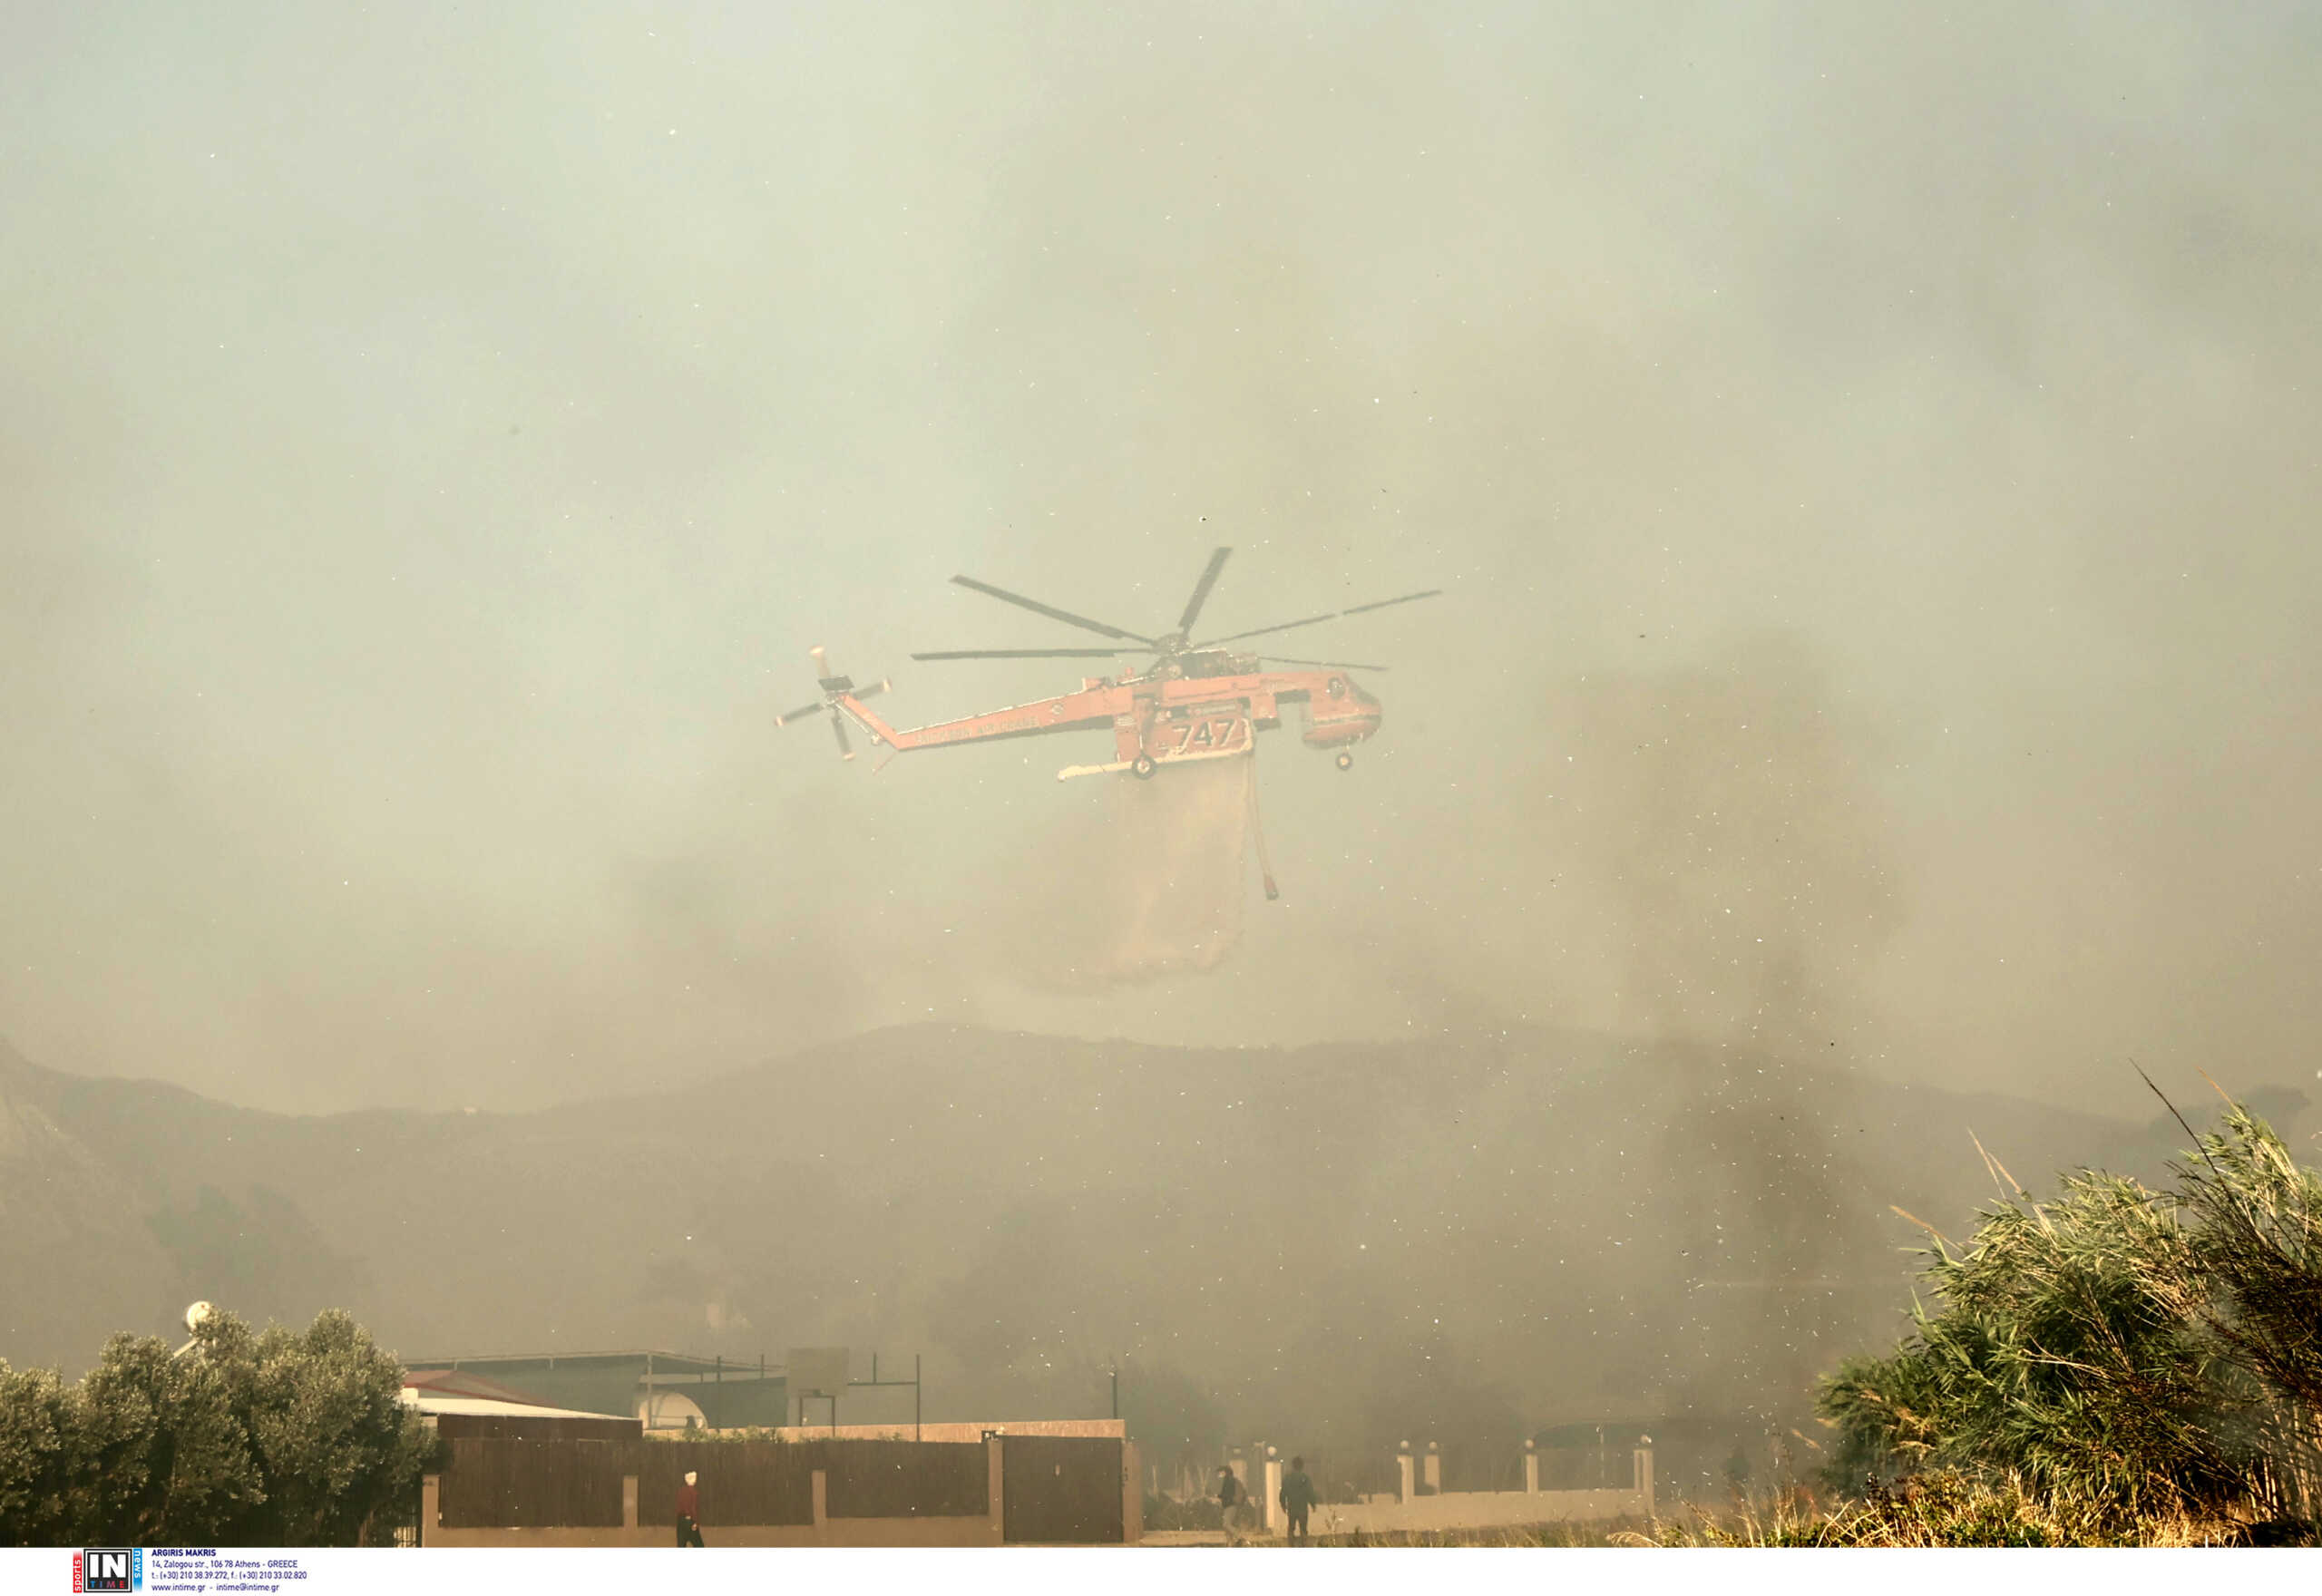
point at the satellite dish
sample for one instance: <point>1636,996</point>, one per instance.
<point>195,1317</point>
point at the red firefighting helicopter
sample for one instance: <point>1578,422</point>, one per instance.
<point>1194,702</point>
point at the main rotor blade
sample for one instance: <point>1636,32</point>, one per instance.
<point>1201,589</point>
<point>1383,603</point>
<point>801,713</point>
<point>1036,608</point>
<point>1262,631</point>
<point>1028,653</point>
<point>845,748</point>
<point>1326,663</point>
<point>1312,619</point>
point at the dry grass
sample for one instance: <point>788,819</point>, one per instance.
<point>1603,1533</point>
<point>1950,1509</point>
<point>1938,1510</point>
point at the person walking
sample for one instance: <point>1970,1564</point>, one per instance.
<point>690,1513</point>
<point>1298,1499</point>
<point>1230,1497</point>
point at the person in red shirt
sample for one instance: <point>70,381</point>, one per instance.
<point>689,1509</point>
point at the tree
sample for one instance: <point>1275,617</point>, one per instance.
<point>334,1443</point>
<point>36,1434</point>
<point>294,1439</point>
<point>157,1456</point>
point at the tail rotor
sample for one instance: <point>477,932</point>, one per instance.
<point>835,687</point>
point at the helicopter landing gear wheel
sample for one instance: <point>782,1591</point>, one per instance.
<point>1346,762</point>
<point>1142,767</point>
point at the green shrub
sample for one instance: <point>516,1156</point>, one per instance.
<point>2147,1357</point>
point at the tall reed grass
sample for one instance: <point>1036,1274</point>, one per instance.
<point>2111,1362</point>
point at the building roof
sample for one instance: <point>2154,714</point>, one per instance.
<point>456,1382</point>
<point>485,1407</point>
<point>441,1392</point>
<point>614,1384</point>
<point>664,1362</point>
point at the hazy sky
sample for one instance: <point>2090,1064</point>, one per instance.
<point>1871,452</point>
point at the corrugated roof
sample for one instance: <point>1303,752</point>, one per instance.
<point>669,1362</point>
<point>460,1382</point>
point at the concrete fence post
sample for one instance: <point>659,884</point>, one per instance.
<point>1132,1495</point>
<point>1269,1510</point>
<point>996,1483</point>
<point>1644,1472</point>
<point>1434,1475</point>
<point>1403,1491</point>
<point>1531,1469</point>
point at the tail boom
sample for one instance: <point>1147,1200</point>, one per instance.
<point>1071,712</point>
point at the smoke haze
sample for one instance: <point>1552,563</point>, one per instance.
<point>1868,453</point>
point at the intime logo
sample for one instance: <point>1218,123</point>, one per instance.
<point>109,1568</point>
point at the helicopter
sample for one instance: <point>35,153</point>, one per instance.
<point>1191,702</point>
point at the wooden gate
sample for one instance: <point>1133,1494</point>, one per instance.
<point>907,1479</point>
<point>1060,1490</point>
